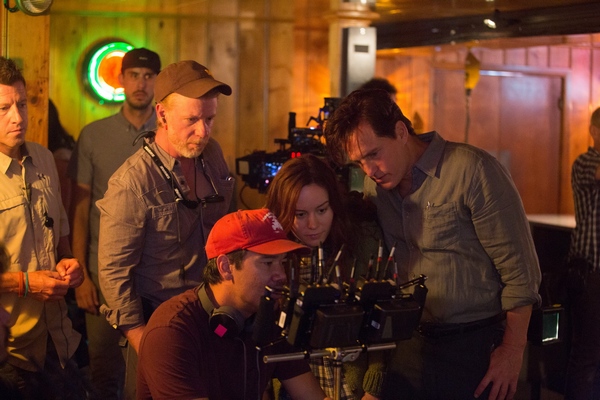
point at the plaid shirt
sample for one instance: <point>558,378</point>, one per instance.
<point>322,368</point>
<point>585,241</point>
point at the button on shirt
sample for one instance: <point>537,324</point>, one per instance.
<point>151,246</point>
<point>463,226</point>
<point>32,219</point>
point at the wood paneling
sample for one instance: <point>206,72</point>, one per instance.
<point>573,59</point>
<point>275,57</point>
<point>247,44</point>
<point>25,39</point>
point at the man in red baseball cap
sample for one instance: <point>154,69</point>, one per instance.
<point>199,344</point>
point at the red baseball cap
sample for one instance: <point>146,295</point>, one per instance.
<point>254,230</point>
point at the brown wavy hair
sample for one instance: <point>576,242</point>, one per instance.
<point>284,191</point>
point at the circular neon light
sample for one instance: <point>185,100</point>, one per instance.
<point>103,70</point>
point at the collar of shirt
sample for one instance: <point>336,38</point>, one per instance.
<point>5,160</point>
<point>429,163</point>
<point>148,125</point>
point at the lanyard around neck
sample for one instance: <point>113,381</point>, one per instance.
<point>166,173</point>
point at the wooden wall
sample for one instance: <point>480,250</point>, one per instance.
<point>275,57</point>
<point>25,39</point>
<point>576,59</point>
<point>247,44</point>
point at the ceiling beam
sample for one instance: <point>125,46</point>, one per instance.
<point>563,20</point>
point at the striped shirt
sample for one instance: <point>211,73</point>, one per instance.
<point>585,240</point>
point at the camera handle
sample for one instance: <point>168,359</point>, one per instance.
<point>337,355</point>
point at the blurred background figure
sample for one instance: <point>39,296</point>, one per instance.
<point>583,371</point>
<point>383,84</point>
<point>61,144</point>
<point>102,147</point>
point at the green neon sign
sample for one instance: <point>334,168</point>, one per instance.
<point>103,69</point>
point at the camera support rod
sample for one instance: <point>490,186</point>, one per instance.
<point>337,355</point>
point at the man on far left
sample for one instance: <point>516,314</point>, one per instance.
<point>34,228</point>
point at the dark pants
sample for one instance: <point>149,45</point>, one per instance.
<point>583,371</point>
<point>131,360</point>
<point>107,366</point>
<point>51,383</point>
<point>442,368</point>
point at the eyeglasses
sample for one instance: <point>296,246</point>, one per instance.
<point>179,197</point>
<point>210,199</point>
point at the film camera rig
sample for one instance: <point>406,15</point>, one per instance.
<point>258,168</point>
<point>340,320</point>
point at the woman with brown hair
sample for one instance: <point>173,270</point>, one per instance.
<point>314,208</point>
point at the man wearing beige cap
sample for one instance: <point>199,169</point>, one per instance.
<point>161,205</point>
<point>198,345</point>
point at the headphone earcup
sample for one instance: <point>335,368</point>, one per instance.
<point>226,322</point>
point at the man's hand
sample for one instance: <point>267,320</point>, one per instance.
<point>134,336</point>
<point>506,359</point>
<point>47,285</point>
<point>503,373</point>
<point>87,297</point>
<point>368,396</point>
<point>70,270</point>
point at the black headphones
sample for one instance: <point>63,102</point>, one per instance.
<point>224,321</point>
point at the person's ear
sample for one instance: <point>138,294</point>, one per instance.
<point>161,112</point>
<point>224,267</point>
<point>401,131</point>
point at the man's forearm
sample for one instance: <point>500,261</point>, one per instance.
<point>517,322</point>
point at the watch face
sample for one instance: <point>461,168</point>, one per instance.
<point>34,7</point>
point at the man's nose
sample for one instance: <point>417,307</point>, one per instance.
<point>369,168</point>
<point>279,274</point>
<point>16,115</point>
<point>202,130</point>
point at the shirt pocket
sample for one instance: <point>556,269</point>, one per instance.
<point>164,226</point>
<point>217,210</point>
<point>13,211</point>
<point>440,226</point>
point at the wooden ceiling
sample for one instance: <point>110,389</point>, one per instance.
<point>410,23</point>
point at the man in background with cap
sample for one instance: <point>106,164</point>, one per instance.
<point>102,147</point>
<point>161,204</point>
<point>199,343</point>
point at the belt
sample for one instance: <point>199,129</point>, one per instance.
<point>435,330</point>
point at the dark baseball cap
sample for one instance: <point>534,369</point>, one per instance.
<point>187,78</point>
<point>141,58</point>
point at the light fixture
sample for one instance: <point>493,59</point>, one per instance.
<point>30,7</point>
<point>490,23</point>
<point>101,70</point>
